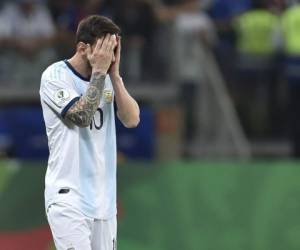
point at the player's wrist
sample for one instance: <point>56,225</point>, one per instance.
<point>115,77</point>
<point>99,70</point>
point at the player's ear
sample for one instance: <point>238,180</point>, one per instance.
<point>81,48</point>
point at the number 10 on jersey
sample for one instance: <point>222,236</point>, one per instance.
<point>97,121</point>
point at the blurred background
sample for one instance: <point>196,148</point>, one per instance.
<point>214,162</point>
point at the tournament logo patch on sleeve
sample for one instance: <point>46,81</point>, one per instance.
<point>61,96</point>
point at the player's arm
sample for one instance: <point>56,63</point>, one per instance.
<point>128,109</point>
<point>82,111</point>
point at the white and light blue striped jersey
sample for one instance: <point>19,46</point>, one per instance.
<point>82,162</point>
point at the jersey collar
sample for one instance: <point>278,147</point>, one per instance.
<point>76,72</point>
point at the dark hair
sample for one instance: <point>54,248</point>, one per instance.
<point>93,27</point>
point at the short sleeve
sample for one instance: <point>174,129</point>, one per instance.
<point>58,94</point>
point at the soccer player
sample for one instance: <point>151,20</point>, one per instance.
<point>77,97</point>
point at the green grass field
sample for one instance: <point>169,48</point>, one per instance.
<point>189,206</point>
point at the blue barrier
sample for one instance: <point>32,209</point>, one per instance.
<point>23,135</point>
<point>138,143</point>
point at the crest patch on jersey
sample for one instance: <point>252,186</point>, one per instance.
<point>108,95</point>
<point>61,96</point>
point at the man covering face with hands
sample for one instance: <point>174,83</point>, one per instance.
<point>77,97</point>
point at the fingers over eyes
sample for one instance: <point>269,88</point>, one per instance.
<point>106,42</point>
<point>99,43</point>
<point>109,44</point>
<point>114,42</point>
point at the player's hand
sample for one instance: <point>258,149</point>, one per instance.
<point>101,57</point>
<point>114,70</point>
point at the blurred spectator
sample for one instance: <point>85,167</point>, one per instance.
<point>256,51</point>
<point>101,7</point>
<point>191,33</point>
<point>26,31</point>
<point>223,12</point>
<point>170,9</point>
<point>137,20</point>
<point>291,32</point>
<point>168,13</point>
<point>66,15</point>
<point>291,2</point>
<point>278,6</point>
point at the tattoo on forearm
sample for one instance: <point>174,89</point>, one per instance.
<point>82,112</point>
